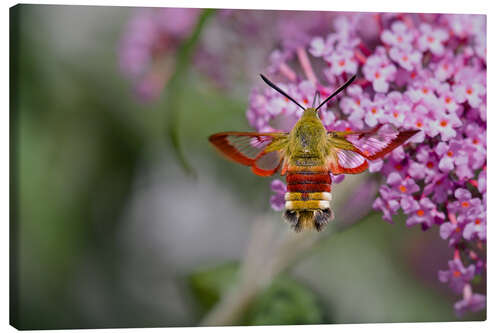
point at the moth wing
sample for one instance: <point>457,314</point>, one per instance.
<point>374,143</point>
<point>344,161</point>
<point>263,152</point>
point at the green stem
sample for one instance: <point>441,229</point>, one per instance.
<point>177,83</point>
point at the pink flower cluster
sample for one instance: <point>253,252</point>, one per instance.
<point>414,71</point>
<point>225,51</point>
<point>146,50</point>
<point>425,72</point>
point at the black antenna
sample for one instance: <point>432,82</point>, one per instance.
<point>345,85</point>
<point>275,87</point>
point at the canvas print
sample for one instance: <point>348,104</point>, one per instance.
<point>216,167</point>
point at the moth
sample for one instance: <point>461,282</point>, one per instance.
<point>308,156</point>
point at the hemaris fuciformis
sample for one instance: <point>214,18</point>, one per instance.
<point>308,155</point>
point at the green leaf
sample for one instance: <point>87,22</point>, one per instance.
<point>284,302</point>
<point>208,285</point>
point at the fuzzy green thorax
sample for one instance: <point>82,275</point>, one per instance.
<point>308,139</point>
<point>309,144</point>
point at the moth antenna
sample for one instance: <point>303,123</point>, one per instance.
<point>316,98</point>
<point>275,87</point>
<point>345,85</point>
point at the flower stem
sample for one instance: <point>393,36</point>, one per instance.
<point>176,85</point>
<point>306,65</point>
<point>288,72</point>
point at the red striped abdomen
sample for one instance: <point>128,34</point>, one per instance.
<point>308,182</point>
<point>308,199</point>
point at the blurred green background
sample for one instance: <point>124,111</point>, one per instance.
<point>109,231</point>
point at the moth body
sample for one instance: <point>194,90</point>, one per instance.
<point>308,196</point>
<point>307,157</point>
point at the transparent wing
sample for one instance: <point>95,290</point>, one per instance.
<point>263,152</point>
<point>374,143</point>
<point>351,149</point>
<point>344,161</point>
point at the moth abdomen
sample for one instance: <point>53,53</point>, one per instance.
<point>309,182</point>
<point>307,200</point>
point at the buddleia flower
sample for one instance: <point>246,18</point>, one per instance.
<point>425,72</point>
